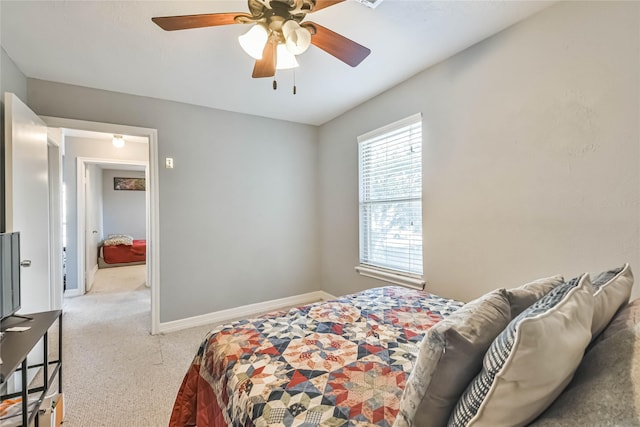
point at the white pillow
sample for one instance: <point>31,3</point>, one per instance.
<point>612,291</point>
<point>531,361</point>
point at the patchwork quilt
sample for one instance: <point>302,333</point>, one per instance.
<point>339,363</point>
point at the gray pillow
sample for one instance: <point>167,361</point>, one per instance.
<point>605,389</point>
<point>524,296</point>
<point>449,357</point>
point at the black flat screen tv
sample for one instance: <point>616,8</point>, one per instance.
<point>9,274</point>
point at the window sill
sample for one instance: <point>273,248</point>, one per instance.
<point>391,277</point>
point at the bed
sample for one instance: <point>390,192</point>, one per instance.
<point>342,362</point>
<point>400,357</point>
<point>121,251</point>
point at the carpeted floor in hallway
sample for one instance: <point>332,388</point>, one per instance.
<point>114,372</point>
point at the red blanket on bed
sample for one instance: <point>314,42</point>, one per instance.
<point>117,254</point>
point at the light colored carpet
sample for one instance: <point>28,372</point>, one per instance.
<point>119,279</point>
<point>114,372</point>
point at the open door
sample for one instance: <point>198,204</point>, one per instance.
<point>27,199</point>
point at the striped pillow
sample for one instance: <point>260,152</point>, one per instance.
<point>531,361</point>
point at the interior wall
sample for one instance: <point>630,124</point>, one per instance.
<point>98,149</point>
<point>11,80</point>
<point>238,214</point>
<point>531,151</point>
<point>124,212</point>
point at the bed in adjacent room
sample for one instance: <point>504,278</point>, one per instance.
<point>122,250</point>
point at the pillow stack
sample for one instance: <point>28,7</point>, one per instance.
<point>503,358</point>
<point>608,396</point>
<point>451,353</point>
<point>531,361</point>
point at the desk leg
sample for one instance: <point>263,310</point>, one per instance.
<point>25,395</point>
<point>45,367</point>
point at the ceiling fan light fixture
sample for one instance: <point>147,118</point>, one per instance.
<point>289,27</point>
<point>118,141</point>
<point>297,38</point>
<point>276,31</point>
<point>253,41</point>
<point>285,59</point>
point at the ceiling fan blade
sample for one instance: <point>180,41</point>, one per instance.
<point>266,67</point>
<point>184,22</point>
<point>346,50</point>
<point>321,4</point>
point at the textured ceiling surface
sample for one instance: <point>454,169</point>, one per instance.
<point>113,45</point>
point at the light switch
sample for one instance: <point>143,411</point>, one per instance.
<point>168,163</point>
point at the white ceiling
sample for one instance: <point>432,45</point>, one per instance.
<point>103,136</point>
<point>113,45</point>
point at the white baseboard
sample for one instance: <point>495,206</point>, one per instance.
<point>72,293</point>
<point>243,311</point>
<point>326,296</point>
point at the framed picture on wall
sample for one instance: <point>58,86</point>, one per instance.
<point>135,184</point>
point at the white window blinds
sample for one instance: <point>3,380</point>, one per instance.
<point>390,177</point>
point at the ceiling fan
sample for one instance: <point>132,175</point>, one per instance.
<point>278,34</point>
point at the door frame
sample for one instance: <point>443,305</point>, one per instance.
<point>81,201</point>
<point>153,231</point>
<point>55,148</point>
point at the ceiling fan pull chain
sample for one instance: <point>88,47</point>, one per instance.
<point>294,81</point>
<point>275,84</point>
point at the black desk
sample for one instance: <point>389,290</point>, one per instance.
<point>15,347</point>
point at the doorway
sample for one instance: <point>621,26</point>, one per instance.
<point>69,127</point>
<point>104,212</point>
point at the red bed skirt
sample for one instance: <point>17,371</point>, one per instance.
<point>124,253</point>
<point>196,403</point>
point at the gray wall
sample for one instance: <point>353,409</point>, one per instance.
<point>96,149</point>
<point>124,212</point>
<point>11,80</point>
<point>531,151</point>
<point>238,214</point>
<point>530,157</point>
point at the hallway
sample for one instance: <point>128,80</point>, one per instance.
<point>114,371</point>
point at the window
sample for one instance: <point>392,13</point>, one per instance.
<point>390,178</point>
